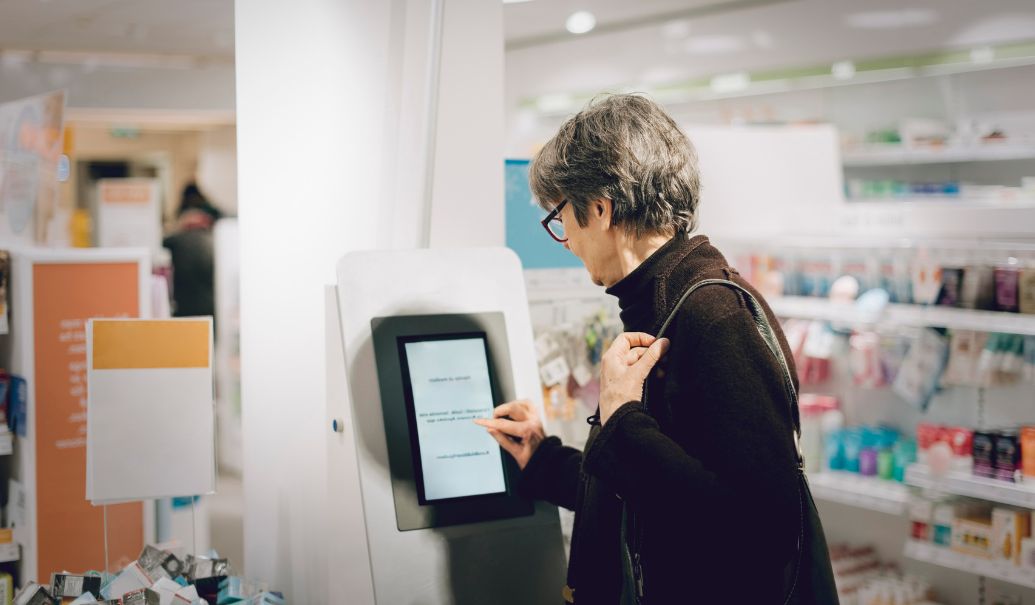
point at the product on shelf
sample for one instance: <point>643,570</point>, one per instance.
<point>862,579</point>
<point>1003,454</point>
<point>911,276</point>
<point>973,527</point>
<point>869,451</point>
<point>1028,451</point>
<point>1009,527</point>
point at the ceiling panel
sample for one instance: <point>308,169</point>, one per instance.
<point>191,27</point>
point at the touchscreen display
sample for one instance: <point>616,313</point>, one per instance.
<point>448,384</point>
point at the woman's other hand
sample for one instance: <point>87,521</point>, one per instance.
<point>624,367</point>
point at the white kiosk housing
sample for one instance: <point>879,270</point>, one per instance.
<point>396,541</point>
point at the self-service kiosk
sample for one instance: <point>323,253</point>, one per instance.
<point>423,502</point>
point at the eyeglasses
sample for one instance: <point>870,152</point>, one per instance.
<point>553,224</point>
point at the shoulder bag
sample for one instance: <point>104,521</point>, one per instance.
<point>809,578</point>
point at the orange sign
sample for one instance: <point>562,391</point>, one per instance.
<point>182,343</point>
<point>70,530</point>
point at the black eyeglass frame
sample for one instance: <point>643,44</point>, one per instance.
<point>553,216</point>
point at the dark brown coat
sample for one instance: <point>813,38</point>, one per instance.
<point>711,470</point>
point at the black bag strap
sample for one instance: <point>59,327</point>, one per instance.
<point>765,329</point>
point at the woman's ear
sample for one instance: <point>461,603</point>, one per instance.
<point>601,209</point>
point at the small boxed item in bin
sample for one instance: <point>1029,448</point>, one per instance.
<point>65,588</point>
<point>33,594</point>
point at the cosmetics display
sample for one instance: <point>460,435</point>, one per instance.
<point>863,579</point>
<point>1005,454</point>
<point>918,276</point>
<point>975,528</point>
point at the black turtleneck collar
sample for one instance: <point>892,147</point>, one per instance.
<point>643,294</point>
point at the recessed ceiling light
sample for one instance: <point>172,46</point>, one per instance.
<point>674,30</point>
<point>843,70</point>
<point>733,82</point>
<point>892,19</point>
<point>982,54</point>
<point>762,39</point>
<point>581,22</point>
<point>713,45</point>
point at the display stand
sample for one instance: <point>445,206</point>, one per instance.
<point>463,563</point>
<point>54,293</point>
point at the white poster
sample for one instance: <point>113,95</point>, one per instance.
<point>129,213</point>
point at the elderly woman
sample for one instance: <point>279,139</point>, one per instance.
<point>694,496</point>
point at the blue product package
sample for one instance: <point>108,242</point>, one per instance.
<point>834,449</point>
<point>853,446</point>
<point>18,406</point>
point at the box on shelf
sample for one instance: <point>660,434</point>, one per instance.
<point>973,536</point>
<point>1009,527</point>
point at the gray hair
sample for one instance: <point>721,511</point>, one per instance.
<point>626,149</point>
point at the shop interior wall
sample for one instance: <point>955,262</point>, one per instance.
<point>331,98</point>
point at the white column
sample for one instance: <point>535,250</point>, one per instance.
<point>331,110</point>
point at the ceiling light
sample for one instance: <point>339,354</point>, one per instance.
<point>982,54</point>
<point>762,39</point>
<point>675,30</point>
<point>713,45</point>
<point>554,102</point>
<point>734,82</point>
<point>892,19</point>
<point>581,22</point>
<point>843,70</point>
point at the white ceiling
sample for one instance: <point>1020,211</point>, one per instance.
<point>796,33</point>
<point>181,27</point>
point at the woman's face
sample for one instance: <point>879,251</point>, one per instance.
<point>594,243</point>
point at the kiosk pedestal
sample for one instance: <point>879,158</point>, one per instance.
<point>422,502</point>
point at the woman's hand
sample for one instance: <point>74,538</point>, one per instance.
<point>624,367</point>
<point>517,428</point>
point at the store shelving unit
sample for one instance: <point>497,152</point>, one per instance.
<point>944,557</point>
<point>964,484</point>
<point>918,316</point>
<point>862,492</point>
<point>894,155</point>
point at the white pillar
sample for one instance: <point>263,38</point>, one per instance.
<point>331,109</point>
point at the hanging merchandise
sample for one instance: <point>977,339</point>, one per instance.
<point>1002,361</point>
<point>865,360</point>
<point>893,350</point>
<point>964,352</point>
<point>816,354</point>
<point>918,379</point>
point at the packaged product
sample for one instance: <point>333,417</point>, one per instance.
<point>973,536</point>
<point>1007,280</point>
<point>1028,451</point>
<point>1026,291</point>
<point>1009,527</point>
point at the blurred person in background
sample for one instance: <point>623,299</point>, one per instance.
<point>191,247</point>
